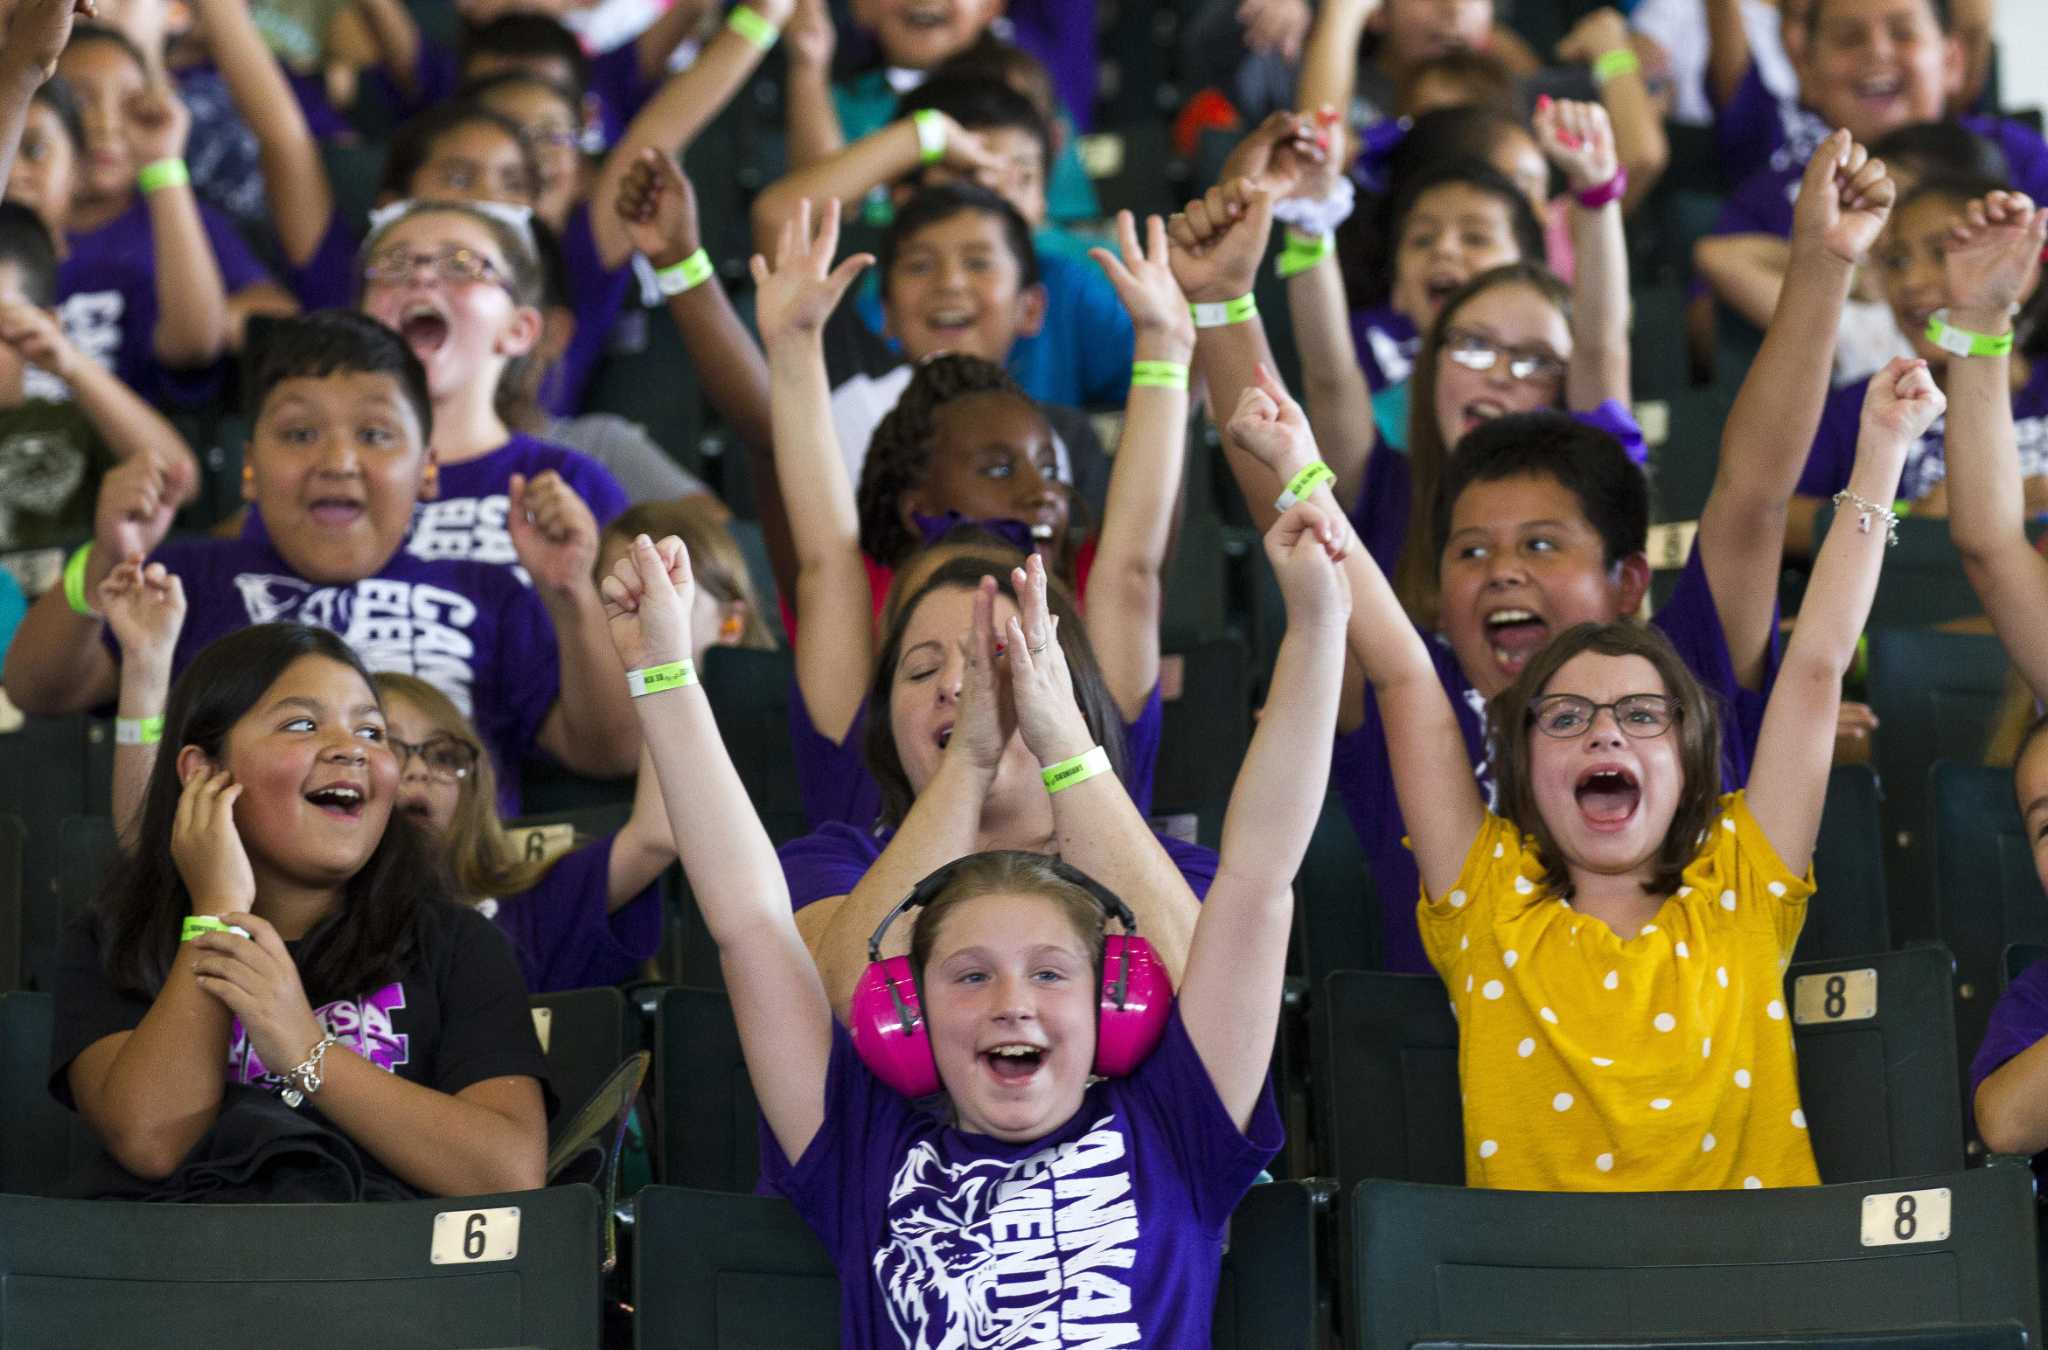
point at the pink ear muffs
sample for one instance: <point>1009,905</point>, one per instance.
<point>888,1020</point>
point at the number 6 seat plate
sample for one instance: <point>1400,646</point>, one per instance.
<point>469,1236</point>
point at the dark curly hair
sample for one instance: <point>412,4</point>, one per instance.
<point>899,456</point>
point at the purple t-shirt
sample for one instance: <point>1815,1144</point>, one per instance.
<point>1387,343</point>
<point>1061,34</point>
<point>599,294</point>
<point>1762,204</point>
<point>833,858</point>
<point>1756,130</point>
<point>835,783</point>
<point>2018,1020</point>
<point>1363,777</point>
<point>106,293</point>
<point>466,519</point>
<point>1107,1231</point>
<point>329,278</point>
<point>1834,445</point>
<point>562,932</point>
<point>469,629</point>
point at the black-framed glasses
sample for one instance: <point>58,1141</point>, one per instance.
<point>447,758</point>
<point>457,265</point>
<point>1476,351</point>
<point>1568,716</point>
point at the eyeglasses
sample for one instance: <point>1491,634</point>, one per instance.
<point>448,759</point>
<point>1568,716</point>
<point>458,266</point>
<point>1476,351</point>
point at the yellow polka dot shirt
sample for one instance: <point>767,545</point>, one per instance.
<point>1660,1060</point>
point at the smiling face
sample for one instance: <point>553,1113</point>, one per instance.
<point>553,132</point>
<point>924,700</point>
<point>921,34</point>
<point>475,162</point>
<point>428,798</point>
<point>1452,234</point>
<point>336,466</point>
<point>463,329</point>
<point>993,458</point>
<point>1416,30</point>
<point>1911,265</point>
<point>1523,562</point>
<point>1011,1000</point>
<point>1607,796</point>
<point>103,77</point>
<point>956,286</point>
<point>1876,65</point>
<point>1513,322</point>
<point>318,781</point>
<point>45,168</point>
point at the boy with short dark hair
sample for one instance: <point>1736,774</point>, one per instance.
<point>336,461</point>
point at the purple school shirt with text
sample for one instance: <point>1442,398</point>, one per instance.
<point>469,629</point>
<point>107,303</point>
<point>466,519</point>
<point>1834,444</point>
<point>1387,343</point>
<point>1757,130</point>
<point>563,933</point>
<point>1363,778</point>
<point>1107,1231</point>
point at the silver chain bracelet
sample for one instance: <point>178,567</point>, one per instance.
<point>1865,510</point>
<point>304,1081</point>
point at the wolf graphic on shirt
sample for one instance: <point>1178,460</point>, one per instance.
<point>1027,1255</point>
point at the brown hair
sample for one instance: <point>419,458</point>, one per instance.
<point>1009,872</point>
<point>700,521</point>
<point>2019,720</point>
<point>1510,719</point>
<point>1415,572</point>
<point>480,855</point>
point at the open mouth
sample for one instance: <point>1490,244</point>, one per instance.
<point>1607,795</point>
<point>1480,411</point>
<point>1014,1063</point>
<point>343,800</point>
<point>1514,635</point>
<point>951,322</point>
<point>1880,87</point>
<point>1439,288</point>
<point>924,18</point>
<point>424,328</point>
<point>944,736</point>
<point>335,512</point>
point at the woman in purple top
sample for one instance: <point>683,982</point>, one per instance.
<point>932,1217</point>
<point>154,284</point>
<point>589,917</point>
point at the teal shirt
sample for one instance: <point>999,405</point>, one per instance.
<point>1390,416</point>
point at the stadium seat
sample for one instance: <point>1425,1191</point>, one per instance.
<point>41,1143</point>
<point>1204,731</point>
<point>1337,908</point>
<point>549,834</point>
<point>1849,912</point>
<point>1988,894</point>
<point>13,844</point>
<point>412,1275</point>
<point>84,850</point>
<point>1269,1291</point>
<point>2018,956</point>
<point>750,691</point>
<point>1950,1257</point>
<point>706,1131</point>
<point>584,1033</point>
<point>53,767</point>
<point>1386,1079</point>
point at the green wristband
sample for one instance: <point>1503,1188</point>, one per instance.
<point>930,124</point>
<point>1962,342</point>
<point>163,173</point>
<point>686,275</point>
<point>752,27</point>
<point>1611,65</point>
<point>1303,252</point>
<point>197,925</point>
<point>1304,484</point>
<point>139,730</point>
<point>1158,375</point>
<point>655,679</point>
<point>1221,314</point>
<point>1068,772</point>
<point>74,581</point>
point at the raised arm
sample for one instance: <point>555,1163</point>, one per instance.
<point>127,425</point>
<point>1745,271</point>
<point>1843,204</point>
<point>1125,590</point>
<point>1991,258</point>
<point>835,611</point>
<point>145,606</point>
<point>813,121</point>
<point>1727,50</point>
<point>191,298</point>
<point>674,116</point>
<point>295,182</point>
<point>1230,998</point>
<point>1788,781</point>
<point>1579,139</point>
<point>1601,40</point>
<point>1329,64</point>
<point>882,157</point>
<point>644,847</point>
<point>36,33</point>
<point>784,1022</point>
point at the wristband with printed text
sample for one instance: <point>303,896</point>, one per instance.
<point>163,173</point>
<point>1302,252</point>
<point>1611,65</point>
<point>655,679</point>
<point>1304,484</point>
<point>1962,342</point>
<point>931,134</point>
<point>1222,313</point>
<point>74,581</point>
<point>1068,772</point>
<point>196,925</point>
<point>138,730</point>
<point>752,27</point>
<point>1158,375</point>
<point>686,275</point>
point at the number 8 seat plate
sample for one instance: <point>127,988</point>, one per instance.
<point>1901,1217</point>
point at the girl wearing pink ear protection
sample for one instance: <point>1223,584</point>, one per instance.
<point>1110,1194</point>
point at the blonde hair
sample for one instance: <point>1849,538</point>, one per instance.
<point>716,562</point>
<point>481,856</point>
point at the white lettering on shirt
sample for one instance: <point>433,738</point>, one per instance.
<point>406,627</point>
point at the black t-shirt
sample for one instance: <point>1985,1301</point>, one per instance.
<point>459,1014</point>
<point>51,463</point>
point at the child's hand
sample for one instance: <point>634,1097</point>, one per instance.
<point>647,603</point>
<point>987,714</point>
<point>145,606</point>
<point>968,155</point>
<point>1595,35</point>
<point>658,207</point>
<point>207,848</point>
<point>1994,253</point>
<point>1903,401</point>
<point>1143,278</point>
<point>256,979</point>
<point>1579,139</point>
<point>137,500</point>
<point>1305,547</point>
<point>1270,426</point>
<point>808,38</point>
<point>1219,240</point>
<point>794,298</point>
<point>36,334</point>
<point>1844,200</point>
<point>38,30</point>
<point>1280,153</point>
<point>157,122</point>
<point>1041,686</point>
<point>553,534</point>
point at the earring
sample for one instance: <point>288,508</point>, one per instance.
<point>430,481</point>
<point>730,628</point>
<point>248,475</point>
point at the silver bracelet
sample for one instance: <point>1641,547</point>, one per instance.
<point>1865,510</point>
<point>304,1081</point>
